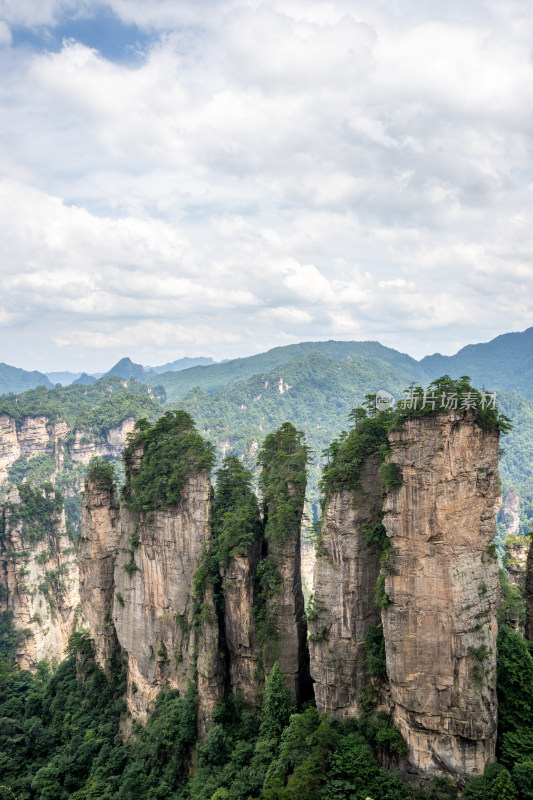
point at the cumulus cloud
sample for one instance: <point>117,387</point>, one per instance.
<point>266,172</point>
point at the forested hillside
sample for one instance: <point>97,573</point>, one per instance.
<point>315,384</point>
<point>13,379</point>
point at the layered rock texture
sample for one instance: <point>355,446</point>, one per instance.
<point>38,436</point>
<point>165,620</point>
<point>438,588</point>
<point>186,599</point>
<point>140,589</point>
<point>39,585</point>
<point>343,605</point>
<point>442,586</point>
<point>239,621</point>
<point>97,552</point>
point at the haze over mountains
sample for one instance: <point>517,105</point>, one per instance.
<point>505,364</point>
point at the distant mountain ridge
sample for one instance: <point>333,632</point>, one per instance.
<point>504,364</point>
<point>14,379</point>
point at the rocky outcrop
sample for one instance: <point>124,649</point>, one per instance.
<point>239,622</point>
<point>34,436</point>
<point>285,608</point>
<point>97,552</point>
<point>515,560</point>
<point>308,560</point>
<point>442,587</point>
<point>37,435</point>
<point>164,616</point>
<point>84,445</point>
<point>343,605</point>
<point>38,580</point>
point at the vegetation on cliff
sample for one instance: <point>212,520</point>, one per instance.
<point>236,521</point>
<point>105,403</point>
<point>368,434</point>
<point>283,458</point>
<point>38,511</point>
<point>172,450</point>
<point>101,472</point>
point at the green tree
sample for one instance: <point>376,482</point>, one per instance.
<point>283,459</point>
<point>236,519</point>
<point>503,787</point>
<point>278,705</point>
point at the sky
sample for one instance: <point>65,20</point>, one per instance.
<point>218,177</point>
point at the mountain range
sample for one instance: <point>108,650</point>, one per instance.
<point>505,364</point>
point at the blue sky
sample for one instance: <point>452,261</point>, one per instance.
<point>223,176</point>
<point>100,29</point>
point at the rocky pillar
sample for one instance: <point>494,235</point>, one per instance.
<point>442,588</point>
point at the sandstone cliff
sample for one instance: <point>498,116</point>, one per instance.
<point>442,587</point>
<point>37,435</point>
<point>515,561</point>
<point>239,622</point>
<point>97,552</point>
<point>343,605</point>
<point>38,576</point>
<point>166,632</point>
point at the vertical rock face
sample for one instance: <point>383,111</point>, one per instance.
<point>285,610</point>
<point>343,607</point>
<point>38,580</point>
<point>34,436</point>
<point>283,630</point>
<point>110,443</point>
<point>239,622</point>
<point>440,627</point>
<point>166,626</point>
<point>515,562</point>
<point>37,435</point>
<point>97,551</point>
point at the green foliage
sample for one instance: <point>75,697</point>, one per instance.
<point>267,581</point>
<point>278,705</point>
<point>381,597</point>
<point>391,475</point>
<point>503,787</point>
<point>515,681</point>
<point>375,535</point>
<point>480,788</point>
<point>131,566</point>
<point>438,395</point>
<point>283,458</point>
<point>512,610</point>
<point>236,521</point>
<point>345,455</point>
<point>38,510</point>
<point>523,779</point>
<point>9,637</point>
<point>172,451</point>
<point>321,636</point>
<point>34,470</point>
<point>101,472</point>
<point>374,652</point>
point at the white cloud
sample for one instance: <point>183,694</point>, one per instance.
<point>5,34</point>
<point>268,172</point>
